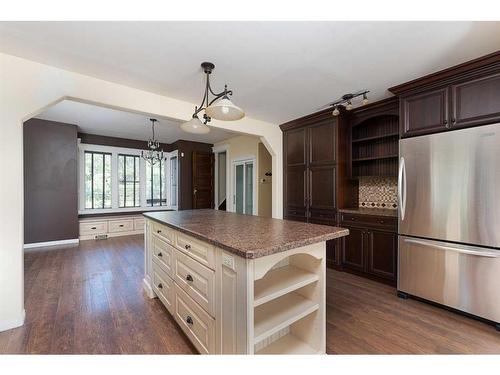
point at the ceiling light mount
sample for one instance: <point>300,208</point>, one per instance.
<point>220,107</point>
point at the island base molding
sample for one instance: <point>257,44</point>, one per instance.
<point>229,304</point>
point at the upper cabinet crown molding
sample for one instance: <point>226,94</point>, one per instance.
<point>480,66</point>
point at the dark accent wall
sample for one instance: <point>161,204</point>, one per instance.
<point>186,169</point>
<point>118,142</point>
<point>50,181</point>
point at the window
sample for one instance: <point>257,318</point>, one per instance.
<point>128,181</point>
<point>97,180</point>
<point>155,184</point>
<point>173,181</point>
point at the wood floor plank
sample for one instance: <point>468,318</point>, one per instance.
<point>89,299</point>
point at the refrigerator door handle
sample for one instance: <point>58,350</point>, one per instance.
<point>402,187</point>
<point>463,249</point>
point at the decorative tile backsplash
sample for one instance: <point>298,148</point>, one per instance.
<point>378,192</point>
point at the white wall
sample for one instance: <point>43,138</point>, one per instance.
<point>26,88</point>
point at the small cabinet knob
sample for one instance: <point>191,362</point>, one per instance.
<point>121,225</point>
<point>93,228</point>
<point>158,231</point>
<point>445,123</point>
<point>187,246</point>
<point>160,255</point>
<point>189,278</point>
<point>454,121</point>
<point>160,286</point>
<point>189,320</point>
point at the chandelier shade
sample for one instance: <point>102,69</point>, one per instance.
<point>224,109</point>
<point>195,126</point>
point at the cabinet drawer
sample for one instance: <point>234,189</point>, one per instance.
<point>163,231</point>
<point>163,287</point>
<point>194,321</point>
<point>198,250</point>
<point>163,254</point>
<point>196,280</point>
<point>139,224</point>
<point>116,226</point>
<point>93,228</point>
<point>386,222</point>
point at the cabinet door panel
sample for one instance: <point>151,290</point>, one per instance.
<point>322,187</point>
<point>295,187</point>
<point>382,254</point>
<point>333,257</point>
<point>353,249</point>
<point>295,147</point>
<point>476,102</point>
<point>322,143</point>
<point>425,112</point>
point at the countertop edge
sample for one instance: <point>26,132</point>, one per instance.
<point>251,254</point>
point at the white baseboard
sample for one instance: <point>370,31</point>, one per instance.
<point>51,243</point>
<point>13,323</point>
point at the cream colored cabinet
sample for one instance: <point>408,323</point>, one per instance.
<point>227,304</point>
<point>110,226</point>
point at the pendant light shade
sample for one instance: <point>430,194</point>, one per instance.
<point>225,110</point>
<point>195,126</point>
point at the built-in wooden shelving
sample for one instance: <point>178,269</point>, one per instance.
<point>288,344</point>
<point>280,313</point>
<point>281,281</point>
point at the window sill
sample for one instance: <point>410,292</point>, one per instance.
<point>124,211</point>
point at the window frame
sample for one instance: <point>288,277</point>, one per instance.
<point>88,152</point>
<point>115,151</point>
<point>137,180</point>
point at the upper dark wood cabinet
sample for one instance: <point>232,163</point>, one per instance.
<point>322,143</point>
<point>425,112</point>
<point>476,102</point>
<point>461,96</point>
<point>295,147</point>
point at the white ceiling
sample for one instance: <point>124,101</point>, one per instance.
<point>278,70</point>
<point>115,123</point>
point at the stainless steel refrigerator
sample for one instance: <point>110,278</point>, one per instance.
<point>449,219</point>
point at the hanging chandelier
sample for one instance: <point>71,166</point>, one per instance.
<point>220,107</point>
<point>154,154</point>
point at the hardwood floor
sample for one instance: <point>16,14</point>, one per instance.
<point>89,299</point>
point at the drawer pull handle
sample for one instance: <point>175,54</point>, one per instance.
<point>158,231</point>
<point>189,320</point>
<point>160,286</point>
<point>189,278</point>
<point>93,228</point>
<point>121,225</point>
<point>160,255</point>
<point>187,246</point>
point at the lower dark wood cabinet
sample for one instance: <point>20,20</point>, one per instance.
<point>371,248</point>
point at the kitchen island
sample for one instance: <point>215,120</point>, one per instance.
<point>240,284</point>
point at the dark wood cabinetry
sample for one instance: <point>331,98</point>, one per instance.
<point>315,182</point>
<point>462,96</point>
<point>371,247</point>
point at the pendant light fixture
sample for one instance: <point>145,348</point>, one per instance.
<point>220,107</point>
<point>154,154</point>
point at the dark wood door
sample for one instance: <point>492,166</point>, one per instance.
<point>295,190</point>
<point>382,250</point>
<point>476,102</point>
<point>425,112</point>
<point>321,142</point>
<point>321,194</point>
<point>203,179</point>
<point>353,249</point>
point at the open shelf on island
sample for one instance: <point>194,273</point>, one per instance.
<point>281,281</point>
<point>280,313</point>
<point>288,344</point>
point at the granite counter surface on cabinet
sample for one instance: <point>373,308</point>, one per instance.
<point>370,211</point>
<point>245,235</point>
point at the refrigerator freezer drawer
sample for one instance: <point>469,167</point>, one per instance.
<point>466,278</point>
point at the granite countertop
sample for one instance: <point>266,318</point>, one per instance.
<point>245,235</point>
<point>370,211</point>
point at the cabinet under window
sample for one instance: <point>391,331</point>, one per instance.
<point>97,180</point>
<point>128,181</point>
<point>155,184</point>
